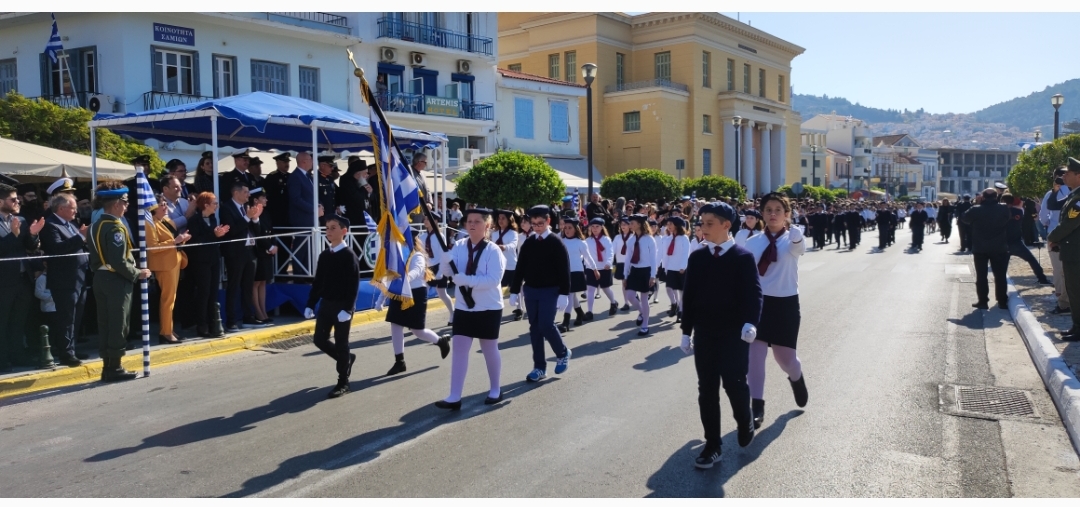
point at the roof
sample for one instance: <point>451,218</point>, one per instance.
<point>908,160</point>
<point>835,153</point>
<point>540,79</point>
<point>31,162</point>
<point>888,140</point>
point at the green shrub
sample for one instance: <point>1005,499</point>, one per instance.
<point>510,179</point>
<point>641,185</point>
<point>712,187</point>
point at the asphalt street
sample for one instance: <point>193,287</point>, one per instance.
<point>881,332</point>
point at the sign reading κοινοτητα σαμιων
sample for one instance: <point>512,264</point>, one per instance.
<point>174,34</point>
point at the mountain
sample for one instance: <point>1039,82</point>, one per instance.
<point>811,105</point>
<point>1035,110</point>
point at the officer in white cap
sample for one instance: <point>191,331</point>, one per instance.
<point>61,185</point>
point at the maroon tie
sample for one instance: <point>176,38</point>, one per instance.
<point>716,251</point>
<point>637,250</point>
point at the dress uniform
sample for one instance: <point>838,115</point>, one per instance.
<point>276,186</point>
<point>327,188</point>
<point>1065,238</point>
<point>112,262</point>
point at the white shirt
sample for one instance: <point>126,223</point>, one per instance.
<point>743,235</point>
<point>454,215</point>
<point>578,252</point>
<point>617,245</point>
<point>486,283</point>
<point>251,239</point>
<point>695,244</point>
<point>648,257</point>
<point>931,212</point>
<point>782,277</point>
<point>436,251</point>
<point>661,247</point>
<point>677,260</point>
<point>417,271</point>
<point>724,247</point>
<point>609,251</point>
<point>510,241</point>
<point>1048,217</point>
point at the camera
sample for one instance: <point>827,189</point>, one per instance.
<point>1059,181</point>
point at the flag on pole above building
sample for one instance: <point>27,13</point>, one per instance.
<point>55,45</point>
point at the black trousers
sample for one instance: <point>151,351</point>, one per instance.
<point>240,269</point>
<point>184,311</point>
<point>855,237</point>
<point>1020,250</point>
<point>15,300</point>
<point>839,233</point>
<point>946,228</point>
<point>965,236</point>
<point>917,232</point>
<point>66,320</point>
<point>206,278</point>
<point>883,236</point>
<point>326,319</point>
<point>819,237</point>
<point>999,264</point>
<point>721,359</point>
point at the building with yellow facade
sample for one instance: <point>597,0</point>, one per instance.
<point>668,88</point>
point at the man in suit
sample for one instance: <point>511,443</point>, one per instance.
<point>239,258</point>
<point>176,168</point>
<point>66,280</point>
<point>988,223</point>
<point>241,161</point>
<point>964,229</point>
<point>17,238</point>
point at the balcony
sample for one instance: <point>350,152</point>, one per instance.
<point>413,103</point>
<point>477,110</point>
<point>650,83</point>
<point>312,20</point>
<point>156,100</point>
<point>394,28</point>
<point>76,99</point>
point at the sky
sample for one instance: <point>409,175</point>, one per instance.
<point>941,62</point>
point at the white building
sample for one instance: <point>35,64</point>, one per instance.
<point>848,136</point>
<point>903,166</point>
<point>812,156</point>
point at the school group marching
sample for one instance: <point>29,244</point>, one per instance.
<point>731,282</point>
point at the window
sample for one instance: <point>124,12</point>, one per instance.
<point>620,69</point>
<point>89,71</point>
<point>560,121</point>
<point>662,65</point>
<point>389,80</point>
<point>462,87</point>
<point>174,72</point>
<point>571,66</point>
<point>523,117</point>
<point>731,75</point>
<point>9,77</point>
<point>631,122</point>
<point>706,162</point>
<point>59,82</point>
<point>269,77</point>
<point>817,164</point>
<point>553,66</point>
<point>746,78</point>
<point>803,162</point>
<point>706,124</point>
<point>761,82</point>
<point>224,76</point>
<point>780,88</point>
<point>516,67</point>
<point>425,82</point>
<point>706,69</point>
<point>309,83</point>
<point>75,71</point>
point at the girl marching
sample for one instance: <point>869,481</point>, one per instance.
<point>603,253</point>
<point>580,258</point>
<point>440,281</point>
<point>640,269</point>
<point>751,226</point>
<point>674,259</point>
<point>415,317</point>
<point>618,247</point>
<point>506,238</point>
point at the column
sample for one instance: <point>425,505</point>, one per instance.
<point>747,157</point>
<point>729,150</point>
<point>777,168</point>
<point>766,159</point>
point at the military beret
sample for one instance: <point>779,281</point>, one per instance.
<point>753,213</point>
<point>567,199</point>
<point>119,193</point>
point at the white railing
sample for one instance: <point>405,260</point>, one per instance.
<point>301,254</point>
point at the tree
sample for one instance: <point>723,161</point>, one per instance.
<point>1033,174</point>
<point>818,194</point>
<point>511,179</point>
<point>642,185</point>
<point>43,123</point>
<point>712,187</point>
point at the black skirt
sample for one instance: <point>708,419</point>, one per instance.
<point>674,280</point>
<point>482,325</point>
<point>508,276</point>
<point>441,282</point>
<point>415,317</point>
<point>604,281</point>
<point>618,271</point>
<point>661,274</point>
<point>780,320</point>
<point>638,281</point>
<point>577,281</point>
<point>264,268</point>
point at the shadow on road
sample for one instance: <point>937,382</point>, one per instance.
<point>368,446</point>
<point>662,358</point>
<point>974,319</point>
<point>677,477</point>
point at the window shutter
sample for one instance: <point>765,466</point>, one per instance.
<point>216,72</point>
<point>560,122</point>
<point>46,87</point>
<point>155,70</point>
<point>523,118</point>
<point>75,66</point>
<point>195,88</point>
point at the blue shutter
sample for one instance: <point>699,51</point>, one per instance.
<point>560,122</point>
<point>523,118</point>
<point>195,87</point>
<point>155,71</point>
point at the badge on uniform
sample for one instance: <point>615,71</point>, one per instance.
<point>1073,214</point>
<point>118,238</point>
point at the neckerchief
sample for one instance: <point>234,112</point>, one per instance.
<point>599,249</point>
<point>637,250</point>
<point>671,246</point>
<point>624,238</point>
<point>769,255</point>
<point>474,256</point>
<point>499,241</point>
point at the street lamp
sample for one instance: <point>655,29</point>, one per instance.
<point>813,165</point>
<point>737,122</point>
<point>588,71</point>
<point>1038,134</point>
<point>849,176</point>
<point>1057,100</point>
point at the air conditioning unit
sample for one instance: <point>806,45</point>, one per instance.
<point>417,59</point>
<point>99,102</point>
<point>464,66</point>
<point>467,157</point>
<point>387,54</point>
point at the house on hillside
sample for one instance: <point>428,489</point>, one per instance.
<point>902,166</point>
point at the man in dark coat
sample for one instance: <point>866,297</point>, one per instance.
<point>66,278</point>
<point>918,226</point>
<point>18,237</point>
<point>964,229</point>
<point>987,221</point>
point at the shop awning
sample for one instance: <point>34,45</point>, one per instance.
<point>31,162</point>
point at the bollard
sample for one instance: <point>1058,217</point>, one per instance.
<point>46,351</point>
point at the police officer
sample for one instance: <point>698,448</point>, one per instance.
<point>276,186</point>
<point>327,188</point>
<point>115,276</point>
<point>1065,239</point>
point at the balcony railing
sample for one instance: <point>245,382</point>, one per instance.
<point>477,111</point>
<point>651,83</point>
<point>318,17</point>
<point>394,28</point>
<point>155,100</point>
<point>76,99</point>
<point>414,104</point>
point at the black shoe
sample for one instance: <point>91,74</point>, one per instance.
<point>114,372</point>
<point>352,359</point>
<point>982,305</point>
<point>588,317</point>
<point>1045,281</point>
<point>580,317</point>
<point>1004,305</point>
<point>491,401</point>
<point>451,406</point>
<point>82,356</point>
<point>253,323</point>
<point>1060,311</point>
<point>339,390</point>
<point>678,317</point>
<point>565,323</point>
<point>614,309</point>
<point>673,310</point>
<point>232,329</point>
<point>165,340</point>
<point>444,346</point>
<point>757,407</point>
<point>517,315</point>
<point>1070,337</point>
<point>798,387</point>
<point>70,362</point>
<point>399,365</point>
<point>639,320</point>
<point>746,433</point>
<point>643,332</point>
<point>583,295</point>
<point>707,457</point>
<point>625,308</point>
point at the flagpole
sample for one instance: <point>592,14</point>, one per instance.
<point>144,303</point>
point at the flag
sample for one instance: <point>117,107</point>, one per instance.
<point>54,44</point>
<point>144,193</point>
<point>401,198</point>
<point>370,222</point>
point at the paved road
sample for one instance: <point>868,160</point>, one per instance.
<point>880,332</point>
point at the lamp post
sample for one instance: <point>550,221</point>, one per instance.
<point>588,71</point>
<point>849,176</point>
<point>1038,134</point>
<point>736,122</point>
<point>1057,100</point>
<point>813,164</point>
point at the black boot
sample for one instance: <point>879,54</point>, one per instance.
<point>673,310</point>
<point>798,387</point>
<point>565,326</point>
<point>625,308</point>
<point>580,316</point>
<point>399,365</point>
<point>678,317</point>
<point>758,408</point>
<point>588,317</point>
<point>112,371</point>
<point>444,346</point>
<point>517,314</point>
<point>614,309</point>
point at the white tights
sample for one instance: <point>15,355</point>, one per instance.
<point>459,365</point>
<point>397,336</point>
<point>784,356</point>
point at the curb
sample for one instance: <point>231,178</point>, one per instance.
<point>1060,381</point>
<point>90,371</point>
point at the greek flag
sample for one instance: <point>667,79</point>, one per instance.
<point>144,192</point>
<point>54,44</point>
<point>401,198</point>
<point>370,222</point>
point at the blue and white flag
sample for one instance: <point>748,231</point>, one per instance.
<point>401,198</point>
<point>370,222</point>
<point>144,193</point>
<point>54,44</point>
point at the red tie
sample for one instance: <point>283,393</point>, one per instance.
<point>716,251</point>
<point>624,238</point>
<point>671,246</point>
<point>600,249</point>
<point>637,250</point>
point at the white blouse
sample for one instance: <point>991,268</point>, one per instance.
<point>648,257</point>
<point>782,277</point>
<point>487,291</point>
<point>677,260</point>
<point>617,245</point>
<point>609,252</point>
<point>417,270</point>
<point>695,244</point>
<point>510,241</point>
<point>436,251</point>
<point>661,247</point>
<point>743,235</point>
<point>579,255</point>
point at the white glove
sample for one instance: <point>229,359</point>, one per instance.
<point>513,299</point>
<point>460,280</point>
<point>343,316</point>
<point>444,267</point>
<point>309,313</point>
<point>563,299</point>
<point>795,234</point>
<point>749,333</point>
<point>686,346</point>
